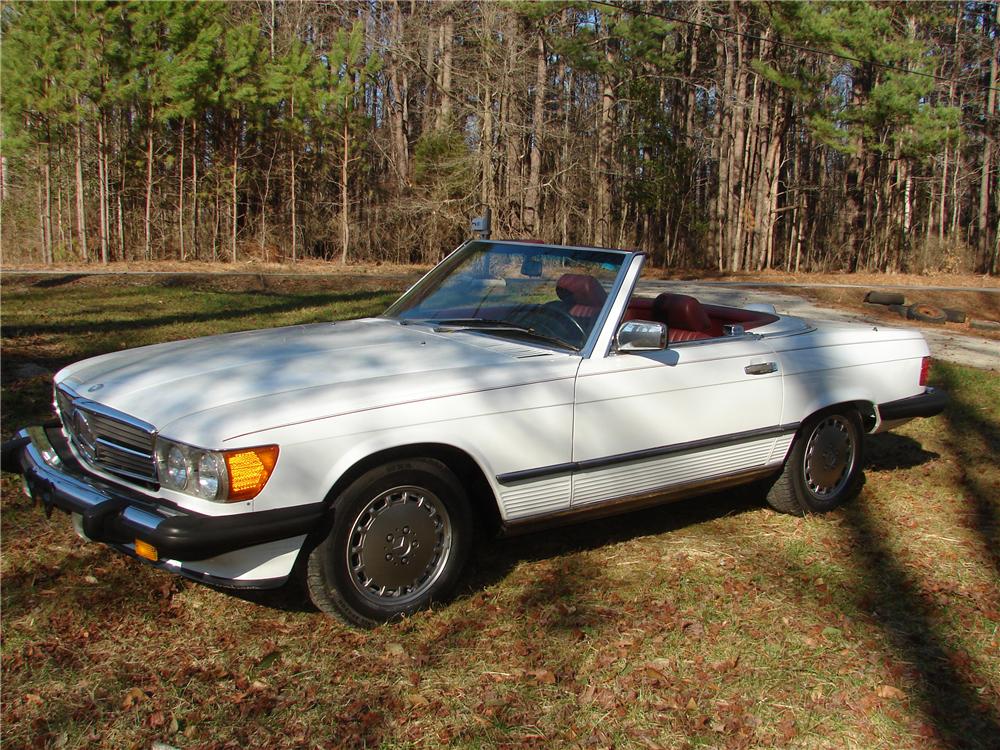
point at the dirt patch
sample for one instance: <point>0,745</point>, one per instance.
<point>982,305</point>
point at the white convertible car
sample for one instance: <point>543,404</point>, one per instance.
<point>516,384</point>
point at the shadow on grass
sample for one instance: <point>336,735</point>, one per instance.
<point>118,325</point>
<point>890,451</point>
<point>495,558</point>
<point>976,441</point>
<point>957,713</point>
<point>53,281</point>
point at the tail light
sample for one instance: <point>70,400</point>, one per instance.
<point>925,369</point>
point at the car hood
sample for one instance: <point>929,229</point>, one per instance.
<point>214,389</point>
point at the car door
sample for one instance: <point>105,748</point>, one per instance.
<point>689,415</point>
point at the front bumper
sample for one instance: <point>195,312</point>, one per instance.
<point>119,516</point>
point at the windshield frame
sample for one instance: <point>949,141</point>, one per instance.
<point>443,269</point>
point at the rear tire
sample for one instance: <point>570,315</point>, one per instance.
<point>825,467</point>
<point>398,542</point>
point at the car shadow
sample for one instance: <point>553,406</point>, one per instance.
<point>889,451</point>
<point>494,557</point>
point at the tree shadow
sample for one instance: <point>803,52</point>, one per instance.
<point>54,281</point>
<point>976,441</point>
<point>495,558</point>
<point>118,325</point>
<point>959,716</point>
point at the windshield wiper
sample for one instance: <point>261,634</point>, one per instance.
<point>489,325</point>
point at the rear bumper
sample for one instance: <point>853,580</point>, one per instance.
<point>119,516</point>
<point>928,404</point>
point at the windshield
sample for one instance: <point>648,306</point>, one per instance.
<point>511,289</point>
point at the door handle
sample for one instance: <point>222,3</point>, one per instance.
<point>761,369</point>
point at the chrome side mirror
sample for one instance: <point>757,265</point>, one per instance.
<point>641,336</point>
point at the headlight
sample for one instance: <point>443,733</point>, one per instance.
<point>222,476</point>
<point>210,475</point>
<point>177,468</point>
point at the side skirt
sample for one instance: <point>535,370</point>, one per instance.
<point>630,503</point>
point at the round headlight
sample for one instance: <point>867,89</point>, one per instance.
<point>209,475</point>
<point>177,467</point>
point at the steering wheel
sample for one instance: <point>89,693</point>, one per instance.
<point>551,320</point>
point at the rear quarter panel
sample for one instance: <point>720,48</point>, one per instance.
<point>839,364</point>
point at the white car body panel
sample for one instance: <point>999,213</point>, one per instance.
<point>551,431</point>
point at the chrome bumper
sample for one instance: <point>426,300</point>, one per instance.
<point>120,516</point>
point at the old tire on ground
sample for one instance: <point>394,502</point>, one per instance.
<point>926,313</point>
<point>885,298</point>
<point>954,315</point>
<point>400,536</point>
<point>825,467</point>
<point>984,325</point>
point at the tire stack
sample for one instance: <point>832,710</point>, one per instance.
<point>920,311</point>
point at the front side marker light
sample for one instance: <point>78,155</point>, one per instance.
<point>146,550</point>
<point>248,470</point>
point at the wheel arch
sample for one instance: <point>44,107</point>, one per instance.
<point>864,406</point>
<point>482,499</point>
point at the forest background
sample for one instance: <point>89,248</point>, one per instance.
<point>730,135</point>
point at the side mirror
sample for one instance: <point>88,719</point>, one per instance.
<point>641,336</point>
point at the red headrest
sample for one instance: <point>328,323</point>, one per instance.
<point>581,289</point>
<point>681,311</point>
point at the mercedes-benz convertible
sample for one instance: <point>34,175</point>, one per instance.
<point>515,385</point>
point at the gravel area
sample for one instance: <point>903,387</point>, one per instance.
<point>945,344</point>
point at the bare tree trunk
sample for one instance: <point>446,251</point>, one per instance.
<point>81,216</point>
<point>292,169</point>
<point>447,35</point>
<point>345,224</point>
<point>532,198</point>
<point>944,196</point>
<point>102,189</point>
<point>234,206</point>
<point>148,224</point>
<point>194,188</point>
<point>602,219</point>
<point>983,231</point>
<point>180,193</point>
<point>47,215</point>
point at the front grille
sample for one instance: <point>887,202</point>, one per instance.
<point>108,439</point>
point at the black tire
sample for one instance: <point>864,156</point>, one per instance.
<point>954,315</point>
<point>984,325</point>
<point>398,542</point>
<point>825,467</point>
<point>885,298</point>
<point>926,313</point>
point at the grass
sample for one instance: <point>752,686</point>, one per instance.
<point>707,623</point>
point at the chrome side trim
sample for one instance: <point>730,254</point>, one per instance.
<point>635,502</point>
<point>663,450</point>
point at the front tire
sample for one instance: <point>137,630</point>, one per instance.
<point>825,467</point>
<point>400,536</point>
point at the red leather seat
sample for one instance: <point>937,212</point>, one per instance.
<point>686,319</point>
<point>582,294</point>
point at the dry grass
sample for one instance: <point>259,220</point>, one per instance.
<point>708,623</point>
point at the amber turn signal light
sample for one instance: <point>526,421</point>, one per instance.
<point>146,550</point>
<point>249,470</point>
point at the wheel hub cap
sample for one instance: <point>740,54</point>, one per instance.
<point>829,456</point>
<point>399,544</point>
